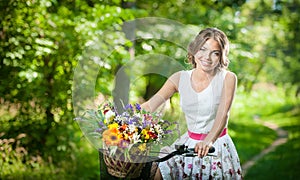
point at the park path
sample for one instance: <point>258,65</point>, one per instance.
<point>282,137</point>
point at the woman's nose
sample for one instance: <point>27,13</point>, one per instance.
<point>206,55</point>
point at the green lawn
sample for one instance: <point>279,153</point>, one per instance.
<point>249,135</point>
<point>283,163</point>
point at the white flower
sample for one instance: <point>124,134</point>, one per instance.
<point>120,118</point>
<point>139,115</point>
<point>135,138</point>
<point>131,128</point>
<point>158,128</point>
<point>109,115</point>
<point>152,129</point>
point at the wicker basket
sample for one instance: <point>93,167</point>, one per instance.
<point>118,167</point>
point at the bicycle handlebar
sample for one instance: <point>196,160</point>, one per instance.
<point>182,150</point>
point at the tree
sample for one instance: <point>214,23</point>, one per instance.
<point>41,42</point>
<point>261,34</point>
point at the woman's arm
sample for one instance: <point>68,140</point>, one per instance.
<point>167,90</point>
<point>228,93</point>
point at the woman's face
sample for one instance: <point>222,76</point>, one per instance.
<point>208,57</point>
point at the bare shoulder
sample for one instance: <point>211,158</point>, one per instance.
<point>231,78</point>
<point>176,74</point>
<point>231,75</point>
<point>174,79</point>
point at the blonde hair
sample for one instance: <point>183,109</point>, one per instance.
<point>202,37</point>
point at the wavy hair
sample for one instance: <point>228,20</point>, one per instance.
<point>202,37</point>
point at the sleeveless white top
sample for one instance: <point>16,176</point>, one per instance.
<point>200,111</point>
<point>200,108</point>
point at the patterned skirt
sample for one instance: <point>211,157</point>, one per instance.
<point>224,164</point>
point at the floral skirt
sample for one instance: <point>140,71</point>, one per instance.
<point>224,164</point>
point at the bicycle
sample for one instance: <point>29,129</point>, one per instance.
<point>180,150</point>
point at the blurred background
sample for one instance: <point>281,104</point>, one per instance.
<point>42,42</point>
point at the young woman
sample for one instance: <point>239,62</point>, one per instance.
<point>206,94</point>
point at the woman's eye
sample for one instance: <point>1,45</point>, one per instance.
<point>216,54</point>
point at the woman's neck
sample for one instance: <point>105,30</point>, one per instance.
<point>208,74</point>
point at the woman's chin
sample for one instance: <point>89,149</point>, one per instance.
<point>206,68</point>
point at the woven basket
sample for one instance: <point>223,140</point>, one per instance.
<point>116,166</point>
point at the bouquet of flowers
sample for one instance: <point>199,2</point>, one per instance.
<point>131,127</point>
<point>127,136</point>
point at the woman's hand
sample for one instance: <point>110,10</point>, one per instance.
<point>202,148</point>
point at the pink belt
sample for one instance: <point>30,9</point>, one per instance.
<point>197,136</point>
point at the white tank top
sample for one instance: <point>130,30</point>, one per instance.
<point>200,108</point>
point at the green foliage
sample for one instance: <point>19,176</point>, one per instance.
<point>43,42</point>
<point>17,163</point>
<point>262,34</point>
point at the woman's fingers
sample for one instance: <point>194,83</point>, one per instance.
<point>197,149</point>
<point>201,149</point>
<point>199,152</point>
<point>205,151</point>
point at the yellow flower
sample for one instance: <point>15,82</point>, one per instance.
<point>145,133</point>
<point>114,128</point>
<point>113,125</point>
<point>142,147</point>
<point>125,136</point>
<point>120,136</point>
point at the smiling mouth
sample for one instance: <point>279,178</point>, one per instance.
<point>206,63</point>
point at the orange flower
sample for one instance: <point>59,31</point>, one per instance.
<point>123,127</point>
<point>111,138</point>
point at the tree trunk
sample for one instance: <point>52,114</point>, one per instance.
<point>122,80</point>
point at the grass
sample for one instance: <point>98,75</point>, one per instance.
<point>249,136</point>
<point>15,163</point>
<point>283,163</point>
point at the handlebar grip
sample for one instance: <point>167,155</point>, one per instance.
<point>211,149</point>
